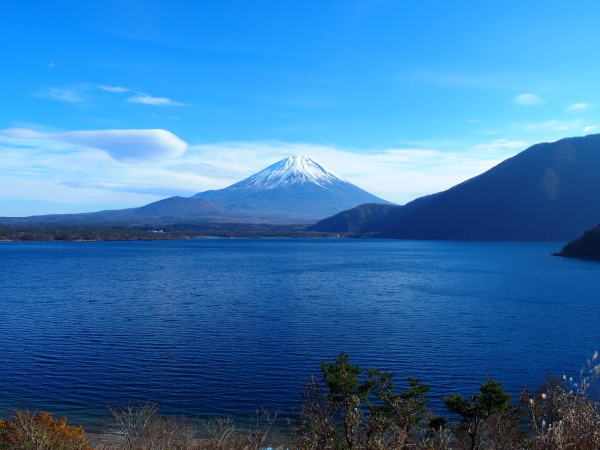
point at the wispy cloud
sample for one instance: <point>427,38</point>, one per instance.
<point>579,107</point>
<point>528,99</point>
<point>552,125</point>
<point>87,167</point>
<point>589,128</point>
<point>501,145</point>
<point>69,94</point>
<point>132,188</point>
<point>114,89</point>
<point>129,146</point>
<point>396,174</point>
<point>84,92</point>
<point>56,176</point>
<point>149,100</point>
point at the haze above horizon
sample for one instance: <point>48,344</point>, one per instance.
<point>109,105</point>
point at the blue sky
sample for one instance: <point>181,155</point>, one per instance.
<point>114,104</point>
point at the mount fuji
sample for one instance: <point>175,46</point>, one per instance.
<point>295,189</point>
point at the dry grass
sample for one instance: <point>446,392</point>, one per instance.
<point>564,414</point>
<point>223,433</point>
<point>140,426</point>
<point>40,431</point>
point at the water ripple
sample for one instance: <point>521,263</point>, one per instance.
<point>226,326</point>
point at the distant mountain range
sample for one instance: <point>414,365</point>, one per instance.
<point>169,210</point>
<point>293,190</point>
<point>551,191</point>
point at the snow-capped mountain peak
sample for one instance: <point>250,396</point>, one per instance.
<point>295,189</point>
<point>291,170</point>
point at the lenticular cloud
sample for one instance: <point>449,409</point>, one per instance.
<point>129,146</point>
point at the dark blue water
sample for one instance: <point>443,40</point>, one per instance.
<point>224,326</point>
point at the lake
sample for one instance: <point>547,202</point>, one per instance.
<point>223,326</point>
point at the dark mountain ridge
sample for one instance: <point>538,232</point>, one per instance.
<point>551,191</point>
<point>365,218</point>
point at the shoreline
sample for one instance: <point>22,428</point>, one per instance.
<point>41,233</point>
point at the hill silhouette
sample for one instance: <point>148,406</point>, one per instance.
<point>551,191</point>
<point>587,246</point>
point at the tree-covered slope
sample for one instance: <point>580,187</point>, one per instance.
<point>366,218</point>
<point>550,191</point>
<point>586,246</point>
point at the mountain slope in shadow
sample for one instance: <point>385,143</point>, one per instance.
<point>551,191</point>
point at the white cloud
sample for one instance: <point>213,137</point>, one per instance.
<point>129,146</point>
<point>589,128</point>
<point>552,125</point>
<point>579,107</point>
<point>149,100</point>
<point>131,188</point>
<point>528,99</point>
<point>87,92</point>
<point>42,176</point>
<point>113,89</point>
<point>395,174</point>
<point>502,144</point>
<point>23,133</point>
<point>39,167</point>
<point>62,94</point>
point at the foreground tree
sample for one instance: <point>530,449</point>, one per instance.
<point>344,412</point>
<point>488,418</point>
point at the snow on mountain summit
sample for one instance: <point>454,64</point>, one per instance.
<point>291,170</point>
<point>293,190</point>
